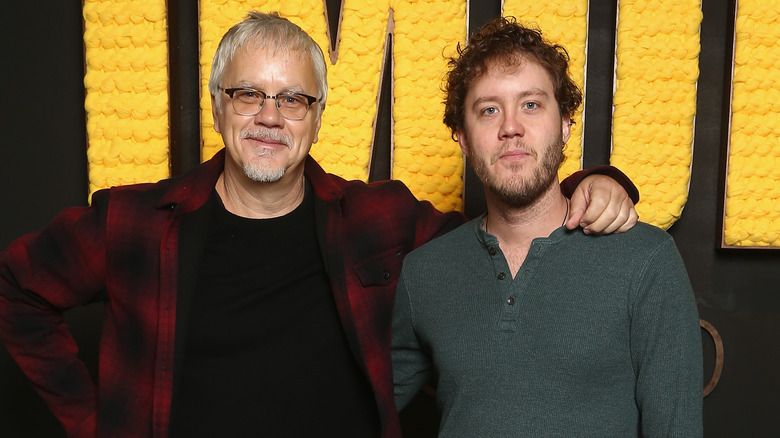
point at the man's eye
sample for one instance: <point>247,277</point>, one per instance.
<point>249,95</point>
<point>290,99</point>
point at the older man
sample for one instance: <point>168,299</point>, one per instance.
<point>529,329</point>
<point>250,297</point>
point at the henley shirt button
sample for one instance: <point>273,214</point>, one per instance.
<point>385,275</point>
<point>492,251</point>
<point>501,276</point>
<point>511,301</point>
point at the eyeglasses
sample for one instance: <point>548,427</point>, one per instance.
<point>249,102</point>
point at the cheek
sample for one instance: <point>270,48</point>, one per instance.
<point>224,122</point>
<point>233,125</point>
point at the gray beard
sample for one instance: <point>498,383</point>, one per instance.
<point>263,174</point>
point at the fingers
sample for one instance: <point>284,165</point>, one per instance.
<point>617,217</point>
<point>601,206</point>
<point>600,215</point>
<point>633,218</point>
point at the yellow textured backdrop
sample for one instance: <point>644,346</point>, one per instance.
<point>654,102</point>
<point>752,207</point>
<point>126,83</point>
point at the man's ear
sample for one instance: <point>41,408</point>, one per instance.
<point>461,137</point>
<point>215,113</point>
<point>319,125</point>
<point>566,128</point>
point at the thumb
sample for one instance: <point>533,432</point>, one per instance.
<point>578,204</point>
<point>576,212</point>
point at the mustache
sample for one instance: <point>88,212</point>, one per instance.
<point>265,134</point>
<point>511,145</point>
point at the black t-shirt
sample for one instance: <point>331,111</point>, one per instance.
<point>265,354</point>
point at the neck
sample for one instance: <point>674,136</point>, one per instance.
<point>518,226</point>
<point>515,227</point>
<point>257,200</point>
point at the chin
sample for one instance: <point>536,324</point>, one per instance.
<point>265,174</point>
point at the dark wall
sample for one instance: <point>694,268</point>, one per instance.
<point>737,290</point>
<point>44,170</point>
<point>43,166</point>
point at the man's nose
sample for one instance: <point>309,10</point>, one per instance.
<point>511,125</point>
<point>269,114</point>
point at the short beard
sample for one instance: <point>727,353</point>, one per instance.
<point>264,173</point>
<point>518,192</point>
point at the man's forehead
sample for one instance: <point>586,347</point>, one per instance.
<point>497,68</point>
<point>508,64</point>
<point>251,58</point>
<point>259,46</point>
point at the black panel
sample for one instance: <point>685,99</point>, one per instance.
<point>44,124</point>
<point>184,67</point>
<point>480,12</point>
<point>380,166</point>
<point>43,167</point>
<point>597,128</point>
<point>333,14</point>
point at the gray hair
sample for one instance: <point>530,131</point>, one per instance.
<point>268,30</point>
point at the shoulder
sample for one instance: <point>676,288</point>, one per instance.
<point>331,187</point>
<point>651,240</point>
<point>189,191</point>
<point>381,202</point>
<point>645,231</point>
<point>133,195</point>
<point>641,237</point>
<point>460,241</point>
<point>375,192</point>
<point>639,251</point>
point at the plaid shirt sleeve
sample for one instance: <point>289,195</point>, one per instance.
<point>122,253</point>
<point>571,182</point>
<point>41,276</point>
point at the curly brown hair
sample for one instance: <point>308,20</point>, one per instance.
<point>505,40</point>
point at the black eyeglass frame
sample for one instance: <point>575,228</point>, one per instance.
<point>310,99</point>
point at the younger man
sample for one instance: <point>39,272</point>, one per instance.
<point>527,328</point>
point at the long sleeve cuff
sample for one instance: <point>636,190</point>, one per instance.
<point>569,184</point>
